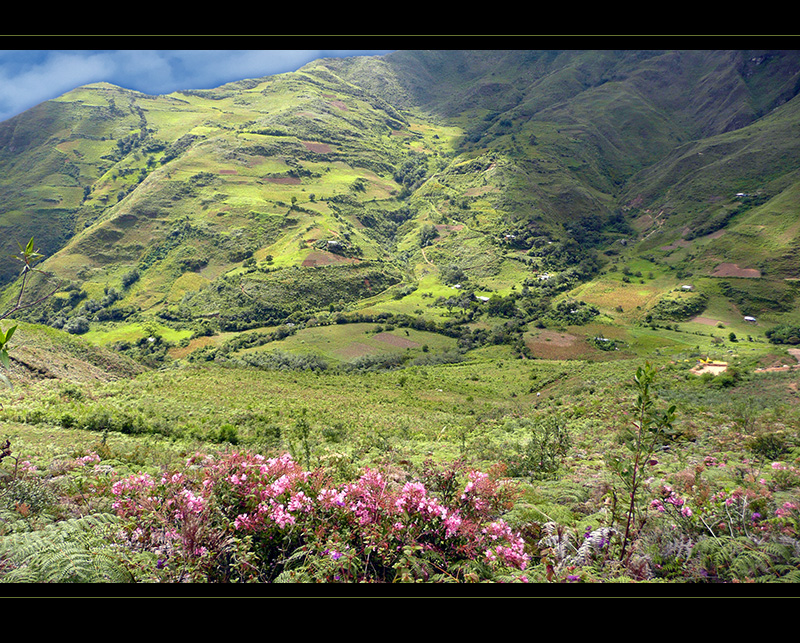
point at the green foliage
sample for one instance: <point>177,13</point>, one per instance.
<point>650,429</point>
<point>681,308</point>
<point>427,235</point>
<point>69,551</point>
<point>542,452</point>
<point>30,493</point>
<point>530,197</point>
<point>755,296</point>
<point>5,337</point>
<point>283,361</point>
<point>571,311</point>
<point>740,558</point>
<point>783,334</point>
<point>769,445</point>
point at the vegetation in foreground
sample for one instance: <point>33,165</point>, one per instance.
<point>460,346</point>
<point>440,471</point>
<point>404,475</point>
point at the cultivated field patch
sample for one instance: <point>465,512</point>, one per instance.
<point>319,148</point>
<point>550,344</point>
<point>322,258</point>
<point>394,340</point>
<point>706,321</point>
<point>733,270</point>
<point>354,350</point>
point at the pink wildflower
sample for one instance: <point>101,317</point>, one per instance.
<point>300,502</point>
<point>281,516</point>
<point>331,498</point>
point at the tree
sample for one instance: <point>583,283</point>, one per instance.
<point>427,235</point>
<point>649,429</point>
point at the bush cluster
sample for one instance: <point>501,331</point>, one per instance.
<point>244,517</point>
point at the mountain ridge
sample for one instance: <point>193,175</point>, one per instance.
<point>276,199</point>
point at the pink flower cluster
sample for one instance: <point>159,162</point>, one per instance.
<point>669,497</point>
<point>276,501</point>
<point>132,492</point>
<point>513,553</point>
<point>786,509</point>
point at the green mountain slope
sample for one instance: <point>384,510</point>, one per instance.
<point>380,184</point>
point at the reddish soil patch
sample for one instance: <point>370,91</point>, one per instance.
<point>287,180</point>
<point>319,148</point>
<point>548,344</point>
<point>178,352</point>
<point>394,340</point>
<point>322,258</point>
<point>554,338</point>
<point>339,104</point>
<point>229,172</point>
<point>705,320</point>
<point>733,270</point>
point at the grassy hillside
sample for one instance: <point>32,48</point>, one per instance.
<point>371,173</point>
<point>428,259</point>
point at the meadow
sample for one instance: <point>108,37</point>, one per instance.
<point>550,440</point>
<point>302,329</point>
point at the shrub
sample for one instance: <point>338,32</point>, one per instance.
<point>242,516</point>
<point>541,455</point>
<point>77,326</point>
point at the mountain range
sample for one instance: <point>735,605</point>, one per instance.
<point>497,184</point>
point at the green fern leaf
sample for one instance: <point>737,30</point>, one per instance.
<point>70,551</point>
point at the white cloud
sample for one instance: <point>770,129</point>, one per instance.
<point>29,77</point>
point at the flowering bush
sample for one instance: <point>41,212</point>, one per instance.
<point>242,516</point>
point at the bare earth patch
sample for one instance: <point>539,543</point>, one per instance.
<point>794,352</point>
<point>550,344</point>
<point>706,320</point>
<point>179,352</point>
<point>322,258</point>
<point>733,270</point>
<point>715,368</point>
<point>319,148</point>
<point>394,340</point>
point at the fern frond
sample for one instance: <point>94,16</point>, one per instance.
<point>741,558</point>
<point>70,551</point>
<point>792,576</point>
<point>567,552</point>
<point>294,576</point>
<point>592,544</point>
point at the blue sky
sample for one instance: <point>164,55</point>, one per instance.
<point>31,76</point>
